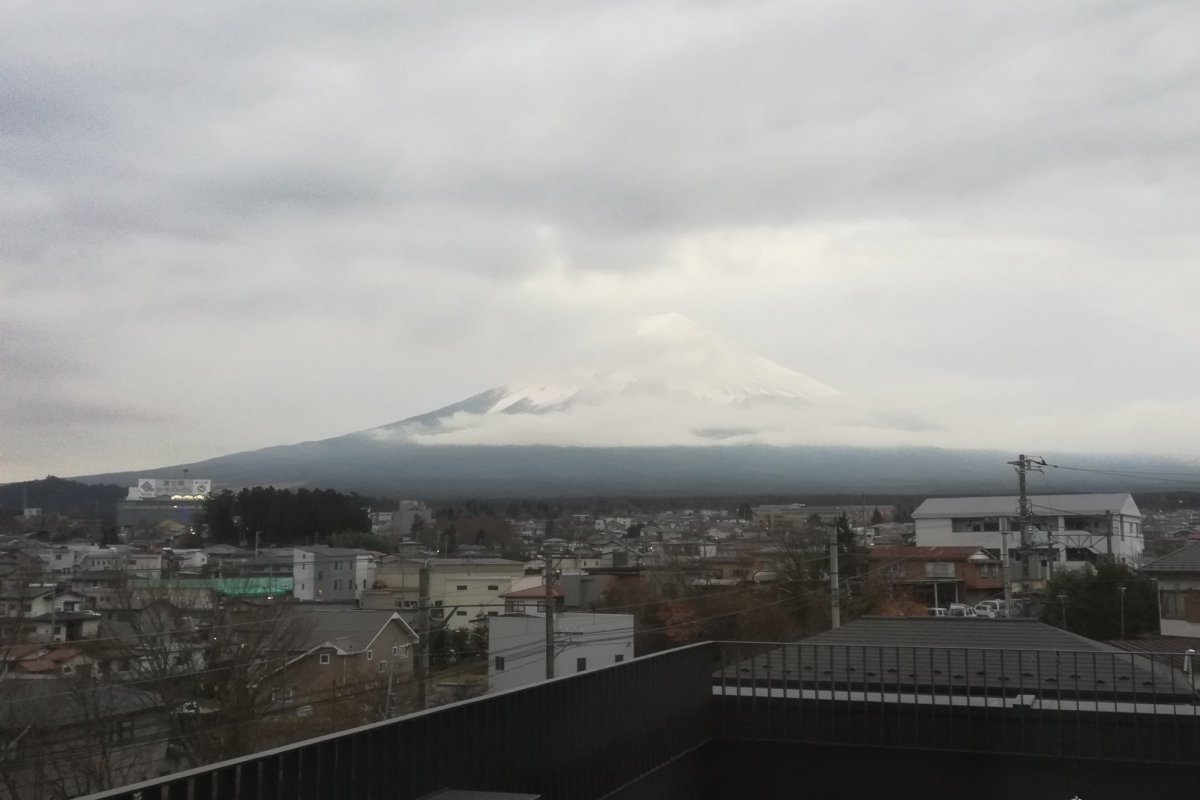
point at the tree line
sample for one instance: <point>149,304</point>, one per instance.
<point>283,517</point>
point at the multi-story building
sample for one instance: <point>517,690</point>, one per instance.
<point>322,574</point>
<point>461,590</point>
<point>1066,528</point>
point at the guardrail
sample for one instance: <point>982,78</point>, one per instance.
<point>588,735</point>
<point>582,736</point>
<point>1074,704</point>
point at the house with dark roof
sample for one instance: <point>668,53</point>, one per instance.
<point>345,652</point>
<point>938,576</point>
<point>1178,577</point>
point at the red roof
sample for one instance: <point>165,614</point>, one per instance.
<point>900,553</point>
<point>537,592</point>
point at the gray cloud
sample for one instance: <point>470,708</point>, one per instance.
<point>975,206</point>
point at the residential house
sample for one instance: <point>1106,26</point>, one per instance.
<point>1178,578</point>
<point>345,650</point>
<point>938,576</point>
<point>582,641</point>
<point>461,590</point>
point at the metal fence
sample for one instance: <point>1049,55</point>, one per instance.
<point>588,735</point>
<point>582,736</point>
<point>1072,704</point>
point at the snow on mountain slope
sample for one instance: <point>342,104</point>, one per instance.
<point>666,380</point>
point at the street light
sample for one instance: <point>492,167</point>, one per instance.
<point>1121,589</point>
<point>1062,603</point>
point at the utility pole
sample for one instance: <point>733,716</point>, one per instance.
<point>1121,589</point>
<point>1108,530</point>
<point>1023,466</point>
<point>422,665</point>
<point>835,609</point>
<point>549,574</point>
<point>1006,569</point>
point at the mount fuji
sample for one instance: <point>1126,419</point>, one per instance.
<point>668,381</point>
<point>662,407</point>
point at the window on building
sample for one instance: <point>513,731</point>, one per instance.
<point>370,655</point>
<point>462,587</point>
<point>321,575</point>
<point>580,664</point>
<point>1180,605</point>
<point>283,695</point>
<point>938,569</point>
<point>975,525</point>
<point>493,587</point>
<point>462,613</point>
<point>437,602</point>
<point>542,606</point>
<point>395,649</point>
<point>324,658</point>
<point>493,613</point>
<point>436,613</point>
<point>382,666</point>
<point>499,663</point>
<point>337,584</point>
<point>618,658</point>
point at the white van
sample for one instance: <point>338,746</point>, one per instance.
<point>991,608</point>
<point>960,610</point>
<point>937,612</point>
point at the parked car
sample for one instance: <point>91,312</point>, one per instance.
<point>961,610</point>
<point>937,612</point>
<point>991,608</point>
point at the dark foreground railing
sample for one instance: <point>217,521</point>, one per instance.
<point>1087,704</point>
<point>582,736</point>
<point>590,734</point>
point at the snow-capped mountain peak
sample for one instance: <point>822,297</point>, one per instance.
<point>663,371</point>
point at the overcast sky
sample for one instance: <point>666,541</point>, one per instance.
<point>227,225</point>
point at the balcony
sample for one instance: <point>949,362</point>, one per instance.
<point>723,719</point>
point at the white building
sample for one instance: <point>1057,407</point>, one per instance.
<point>322,574</point>
<point>517,646</point>
<point>461,590</point>
<point>1071,524</point>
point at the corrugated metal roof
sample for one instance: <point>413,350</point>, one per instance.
<point>1043,504</point>
<point>959,656</point>
<point>1185,559</point>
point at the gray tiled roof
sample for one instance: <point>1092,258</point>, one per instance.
<point>958,656</point>
<point>1185,559</point>
<point>348,629</point>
